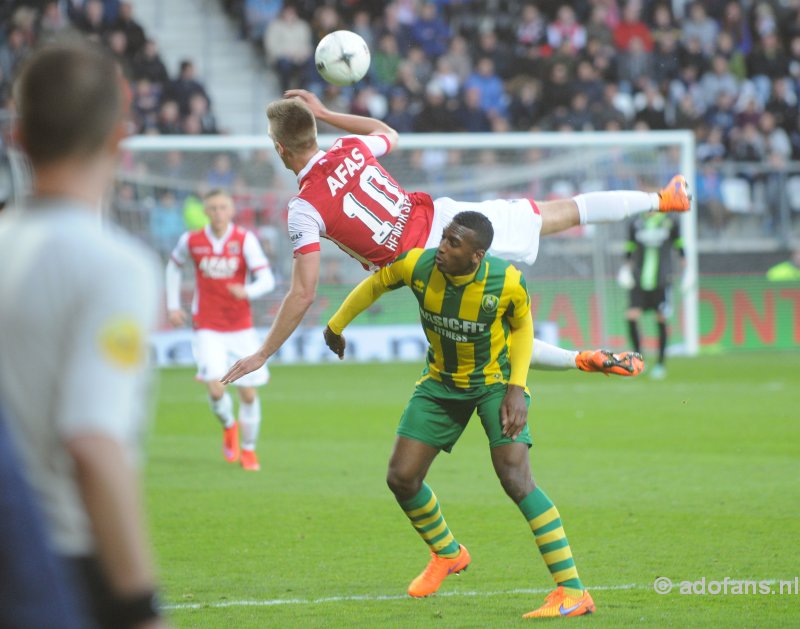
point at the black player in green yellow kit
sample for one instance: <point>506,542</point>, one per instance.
<point>476,314</point>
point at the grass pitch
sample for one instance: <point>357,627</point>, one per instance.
<point>692,477</point>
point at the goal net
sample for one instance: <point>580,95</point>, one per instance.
<point>572,283</point>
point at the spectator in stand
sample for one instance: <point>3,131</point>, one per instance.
<point>471,117</point>
<point>782,104</point>
<point>288,46</point>
<point>199,111</point>
<point>91,21</point>
<point>718,80</point>
<point>664,24</point>
<point>711,145</point>
<point>632,26</point>
<point>435,115</point>
<point>587,81</point>
<point>362,25</point>
<point>649,104</point>
<point>257,16</point>
<point>52,22</point>
<point>580,117</point>
<point>145,105</point>
<point>531,30</point>
<point>633,64</point>
<point>169,118</point>
<point>445,77</point>
<point>399,117</point>
<point>598,27</point>
<point>326,19</point>
<point>184,87</point>
<point>134,33</point>
<point>766,62</point>
<point>493,100</point>
<point>385,63</point>
<point>735,23</point>
<point>524,109</point>
<point>747,144</point>
<point>458,57</point>
<point>117,43</point>
<point>764,19</point>
<point>721,114</point>
<point>392,25</point>
<point>736,60</point>
<point>12,52</point>
<point>430,32</point>
<point>557,90</point>
<point>148,64</point>
<point>665,58</point>
<point>221,174</point>
<point>700,26</point>
<point>490,45</point>
<point>566,28</point>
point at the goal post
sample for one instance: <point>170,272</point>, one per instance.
<point>573,281</point>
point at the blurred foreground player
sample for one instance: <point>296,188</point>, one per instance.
<point>347,197</point>
<point>222,254</point>
<point>77,301</point>
<point>475,311</point>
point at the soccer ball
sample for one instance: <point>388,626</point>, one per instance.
<point>342,58</point>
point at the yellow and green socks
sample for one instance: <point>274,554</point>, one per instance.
<point>545,522</point>
<point>426,517</point>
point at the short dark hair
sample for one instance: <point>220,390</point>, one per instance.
<point>70,100</point>
<point>479,224</point>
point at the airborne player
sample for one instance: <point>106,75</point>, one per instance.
<point>222,254</point>
<point>347,197</point>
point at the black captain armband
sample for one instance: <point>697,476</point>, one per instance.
<point>133,610</point>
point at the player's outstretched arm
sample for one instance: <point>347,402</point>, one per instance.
<point>359,125</point>
<point>359,299</point>
<point>303,290</point>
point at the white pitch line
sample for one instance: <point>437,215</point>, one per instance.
<point>377,597</point>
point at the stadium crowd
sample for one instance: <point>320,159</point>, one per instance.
<point>162,104</point>
<point>726,69</point>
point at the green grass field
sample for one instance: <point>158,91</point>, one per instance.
<point>695,476</point>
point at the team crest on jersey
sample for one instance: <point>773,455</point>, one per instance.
<point>489,303</point>
<point>419,286</point>
<point>233,248</point>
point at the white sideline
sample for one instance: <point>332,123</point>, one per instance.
<point>385,597</point>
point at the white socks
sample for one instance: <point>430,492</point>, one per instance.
<point>610,207</point>
<point>548,357</point>
<point>249,423</point>
<point>223,409</point>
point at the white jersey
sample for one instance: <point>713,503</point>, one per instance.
<point>77,301</point>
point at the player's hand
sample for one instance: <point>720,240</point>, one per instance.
<point>237,290</point>
<point>310,99</point>
<point>335,342</point>
<point>513,411</point>
<point>625,277</point>
<point>176,318</point>
<point>243,367</point>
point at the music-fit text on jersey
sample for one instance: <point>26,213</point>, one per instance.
<point>380,189</point>
<point>449,327</point>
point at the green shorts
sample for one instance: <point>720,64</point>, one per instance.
<point>437,414</point>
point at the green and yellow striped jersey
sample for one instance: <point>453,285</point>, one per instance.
<point>466,320</point>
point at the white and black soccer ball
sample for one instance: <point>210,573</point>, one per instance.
<point>342,58</point>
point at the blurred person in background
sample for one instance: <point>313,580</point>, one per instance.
<point>77,303</point>
<point>222,254</point>
<point>647,275</point>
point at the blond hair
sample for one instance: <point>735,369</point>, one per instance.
<point>292,124</point>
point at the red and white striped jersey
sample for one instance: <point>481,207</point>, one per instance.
<point>219,262</point>
<point>347,197</point>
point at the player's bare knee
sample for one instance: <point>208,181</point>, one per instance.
<point>216,390</point>
<point>247,394</point>
<point>516,482</point>
<point>403,484</point>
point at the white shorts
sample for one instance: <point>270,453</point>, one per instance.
<point>215,352</point>
<point>517,225</point>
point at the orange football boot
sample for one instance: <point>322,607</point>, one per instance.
<point>230,443</point>
<point>435,572</point>
<point>558,604</point>
<point>622,364</point>
<point>674,197</point>
<point>249,460</point>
